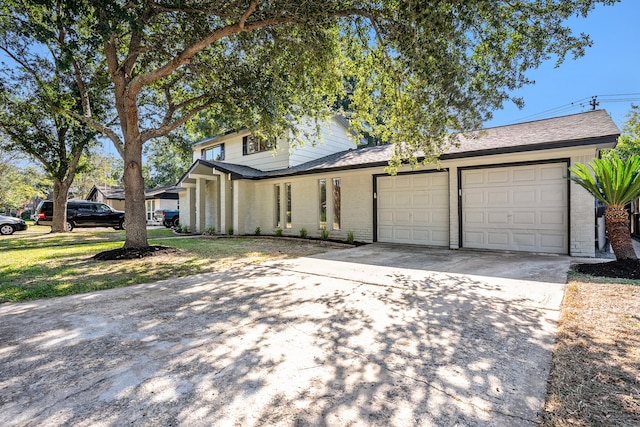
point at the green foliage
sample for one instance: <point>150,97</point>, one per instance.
<point>324,234</point>
<point>629,141</point>
<point>97,170</point>
<point>230,231</point>
<point>211,230</point>
<point>185,229</point>
<point>257,231</point>
<point>168,157</point>
<point>350,237</point>
<point>278,232</point>
<point>614,181</point>
<point>19,185</point>
<point>413,71</point>
<point>303,233</point>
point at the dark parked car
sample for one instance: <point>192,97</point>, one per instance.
<point>81,213</point>
<point>168,217</point>
<point>9,225</point>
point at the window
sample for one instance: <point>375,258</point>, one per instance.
<point>151,207</point>
<point>287,190</point>
<point>252,144</point>
<point>323,203</point>
<point>336,203</point>
<point>278,213</point>
<point>213,153</point>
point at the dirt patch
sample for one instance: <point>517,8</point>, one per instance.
<point>595,373</point>
<point>623,269</point>
<point>134,253</point>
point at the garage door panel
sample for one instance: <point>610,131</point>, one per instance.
<point>524,218</point>
<point>496,176</point>
<point>527,212</point>
<point>414,209</point>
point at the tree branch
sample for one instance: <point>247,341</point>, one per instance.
<point>106,131</point>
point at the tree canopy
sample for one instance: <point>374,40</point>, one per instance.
<point>420,70</point>
<point>629,141</point>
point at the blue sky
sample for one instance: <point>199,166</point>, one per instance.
<point>609,69</point>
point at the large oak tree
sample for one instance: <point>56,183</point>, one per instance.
<point>420,69</point>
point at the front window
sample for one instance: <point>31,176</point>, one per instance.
<point>336,203</point>
<point>213,153</point>
<point>252,144</point>
<point>278,211</point>
<point>151,208</point>
<point>287,189</point>
<point>323,203</point>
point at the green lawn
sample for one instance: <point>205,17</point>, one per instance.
<point>44,265</point>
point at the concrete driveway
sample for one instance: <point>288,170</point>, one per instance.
<point>376,335</point>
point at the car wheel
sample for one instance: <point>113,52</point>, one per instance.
<point>121,225</point>
<point>6,229</point>
<point>176,222</point>
<point>68,226</point>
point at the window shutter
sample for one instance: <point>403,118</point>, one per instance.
<point>244,144</point>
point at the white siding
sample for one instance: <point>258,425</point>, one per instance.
<point>333,138</point>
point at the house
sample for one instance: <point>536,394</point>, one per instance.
<point>156,198</point>
<point>507,189</point>
<point>108,194</point>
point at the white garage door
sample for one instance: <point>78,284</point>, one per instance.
<point>414,209</point>
<point>519,208</point>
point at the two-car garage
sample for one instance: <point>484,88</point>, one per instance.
<point>518,207</point>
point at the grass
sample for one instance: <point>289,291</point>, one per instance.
<point>37,265</point>
<point>595,373</point>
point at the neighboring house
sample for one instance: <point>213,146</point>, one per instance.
<point>108,194</point>
<point>156,198</point>
<point>508,189</point>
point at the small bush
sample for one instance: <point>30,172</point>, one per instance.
<point>185,229</point>
<point>303,233</point>
<point>278,232</point>
<point>230,231</point>
<point>324,234</point>
<point>350,237</point>
<point>210,231</point>
<point>257,231</point>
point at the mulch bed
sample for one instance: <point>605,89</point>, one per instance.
<point>623,269</point>
<point>134,253</point>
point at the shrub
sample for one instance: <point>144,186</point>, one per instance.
<point>324,234</point>
<point>185,229</point>
<point>350,237</point>
<point>303,233</point>
<point>279,232</point>
<point>230,231</point>
<point>257,231</point>
<point>210,231</point>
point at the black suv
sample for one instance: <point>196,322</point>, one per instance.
<point>81,213</point>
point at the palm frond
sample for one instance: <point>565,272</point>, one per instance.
<point>611,180</point>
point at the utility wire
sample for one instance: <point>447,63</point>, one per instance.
<point>580,104</point>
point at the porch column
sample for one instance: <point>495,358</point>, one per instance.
<point>189,220</point>
<point>223,204</point>
<point>200,211</point>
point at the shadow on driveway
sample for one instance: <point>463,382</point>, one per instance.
<point>289,343</point>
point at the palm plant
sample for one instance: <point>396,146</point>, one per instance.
<point>614,182</point>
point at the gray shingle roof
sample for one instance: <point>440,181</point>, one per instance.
<point>578,129</point>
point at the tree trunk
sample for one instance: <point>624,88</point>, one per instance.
<point>60,196</point>
<point>617,222</point>
<point>135,217</point>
